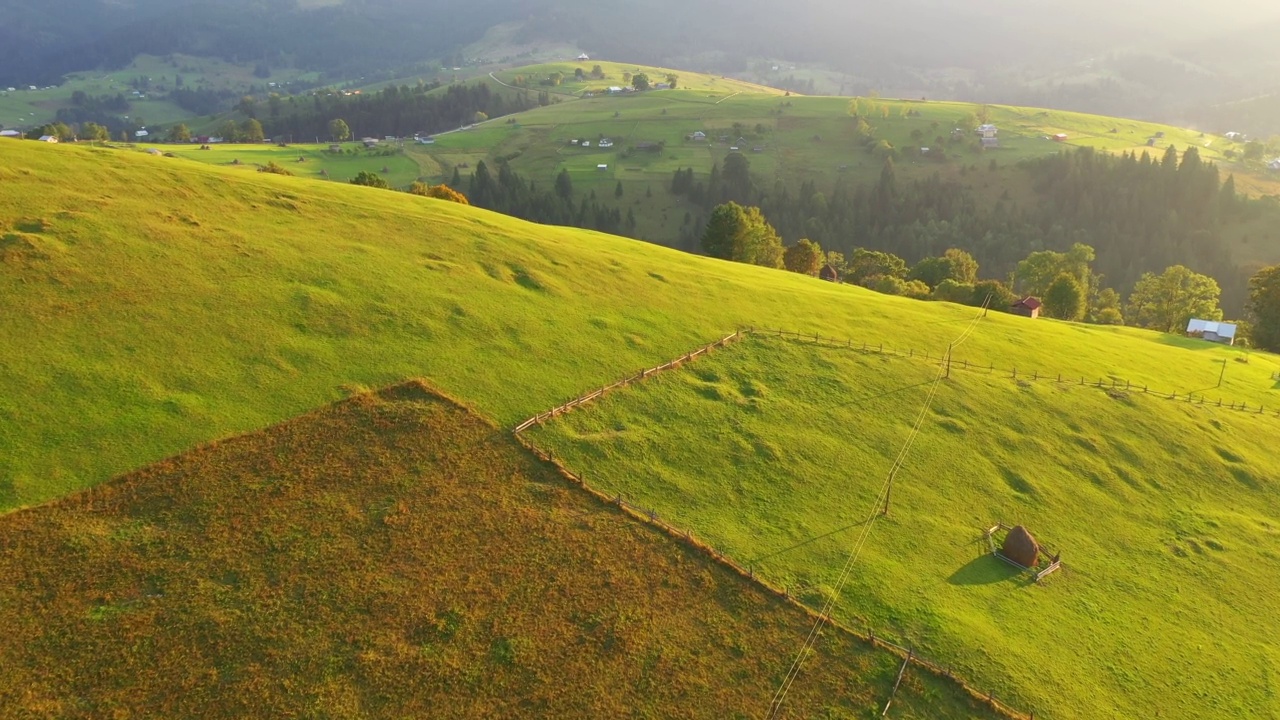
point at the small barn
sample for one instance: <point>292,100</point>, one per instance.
<point>602,167</point>
<point>49,138</point>
<point>829,273</point>
<point>1027,307</point>
<point>1219,332</point>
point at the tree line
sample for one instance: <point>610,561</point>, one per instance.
<point>1140,214</point>
<point>394,110</point>
<point>1065,282</point>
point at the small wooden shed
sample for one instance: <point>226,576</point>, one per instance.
<point>1027,307</point>
<point>829,273</point>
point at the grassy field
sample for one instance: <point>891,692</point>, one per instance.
<point>25,108</point>
<point>792,139</point>
<point>162,303</point>
<point>315,160</point>
<point>1165,515</point>
<point>424,566</point>
<point>159,304</point>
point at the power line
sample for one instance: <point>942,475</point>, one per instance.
<point>779,696</point>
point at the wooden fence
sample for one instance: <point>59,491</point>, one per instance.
<point>1113,384</point>
<point>629,379</point>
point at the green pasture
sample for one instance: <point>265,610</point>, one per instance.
<point>236,298</point>
<point>28,108</point>
<point>613,76</point>
<point>1165,513</point>
<point>309,160</point>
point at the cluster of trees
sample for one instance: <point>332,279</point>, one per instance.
<point>395,110</point>
<point>1065,282</point>
<point>1140,214</point>
<point>507,192</point>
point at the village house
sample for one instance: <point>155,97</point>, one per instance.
<point>829,273</point>
<point>606,143</point>
<point>49,138</point>
<point>987,131</point>
<point>698,135</point>
<point>583,56</point>
<point>1027,307</point>
<point>1218,332</point>
<point>10,134</point>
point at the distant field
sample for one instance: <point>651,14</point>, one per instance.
<point>1165,513</point>
<point>796,139</point>
<point>395,556</point>
<point>310,160</point>
<point>28,108</point>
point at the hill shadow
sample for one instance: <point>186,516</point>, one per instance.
<point>984,570</point>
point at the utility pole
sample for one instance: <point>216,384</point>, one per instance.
<point>949,347</point>
<point>1223,374</point>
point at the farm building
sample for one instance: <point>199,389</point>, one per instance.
<point>1234,136</point>
<point>141,134</point>
<point>1219,332</point>
<point>1027,307</point>
<point>1274,164</point>
<point>699,135</point>
<point>11,134</point>
<point>583,56</point>
<point>48,138</point>
<point>1060,137</point>
<point>426,140</point>
<point>829,273</point>
<point>987,131</point>
<point>602,167</point>
<point>605,143</point>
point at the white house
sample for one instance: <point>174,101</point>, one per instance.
<point>614,89</point>
<point>141,134</point>
<point>606,143</point>
<point>1233,136</point>
<point>1274,164</point>
<point>10,134</point>
<point>49,138</point>
<point>586,143</point>
<point>1219,332</point>
<point>699,135</point>
<point>584,56</point>
<point>602,166</point>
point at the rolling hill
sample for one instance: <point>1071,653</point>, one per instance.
<point>235,300</point>
<point>158,304</point>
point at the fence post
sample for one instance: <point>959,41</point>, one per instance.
<point>1015,372</point>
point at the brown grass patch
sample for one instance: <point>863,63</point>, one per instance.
<point>393,555</point>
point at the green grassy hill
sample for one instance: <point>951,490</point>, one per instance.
<point>1165,514</point>
<point>156,304</point>
<point>162,303</point>
<point>424,566</point>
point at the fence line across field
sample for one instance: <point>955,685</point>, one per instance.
<point>879,348</point>
<point>649,515</point>
<point>1196,398</point>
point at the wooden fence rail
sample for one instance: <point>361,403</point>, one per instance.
<point>1114,384</point>
<point>629,379</point>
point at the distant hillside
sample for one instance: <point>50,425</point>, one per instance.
<point>392,556</point>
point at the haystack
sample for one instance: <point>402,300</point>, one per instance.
<point>1020,547</point>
